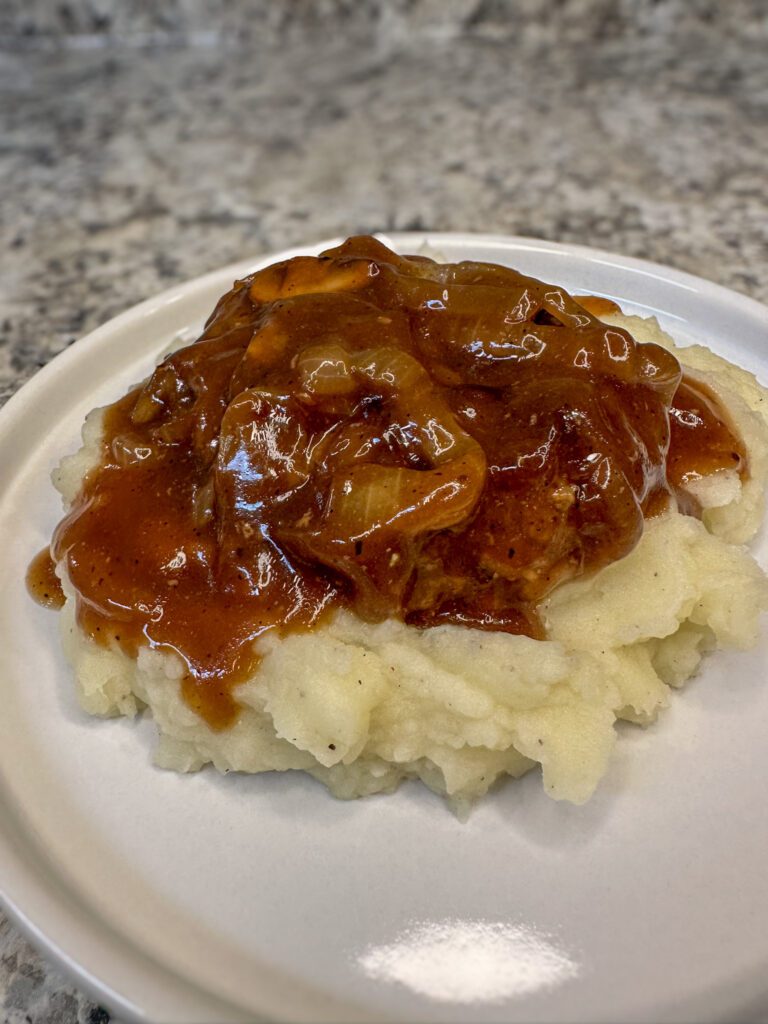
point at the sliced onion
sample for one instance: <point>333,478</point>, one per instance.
<point>265,350</point>
<point>309,275</point>
<point>371,498</point>
<point>324,370</point>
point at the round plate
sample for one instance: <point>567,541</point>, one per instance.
<point>202,897</point>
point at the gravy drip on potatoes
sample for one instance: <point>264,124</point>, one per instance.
<point>43,583</point>
<point>442,443</point>
<point>703,439</point>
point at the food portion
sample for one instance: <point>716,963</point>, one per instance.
<point>367,524</point>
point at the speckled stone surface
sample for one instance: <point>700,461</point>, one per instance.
<point>139,149</point>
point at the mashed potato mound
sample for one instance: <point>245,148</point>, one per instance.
<point>362,706</point>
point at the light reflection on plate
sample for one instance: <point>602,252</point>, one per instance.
<point>455,961</point>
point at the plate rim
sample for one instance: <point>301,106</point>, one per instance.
<point>24,877</point>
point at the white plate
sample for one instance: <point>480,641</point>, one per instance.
<point>202,898</point>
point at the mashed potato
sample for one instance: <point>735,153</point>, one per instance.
<point>362,706</point>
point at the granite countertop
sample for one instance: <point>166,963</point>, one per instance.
<point>135,154</point>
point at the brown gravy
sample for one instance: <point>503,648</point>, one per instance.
<point>702,438</point>
<point>439,443</point>
<point>42,582</point>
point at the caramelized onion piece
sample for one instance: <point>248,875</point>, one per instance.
<point>371,498</point>
<point>308,275</point>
